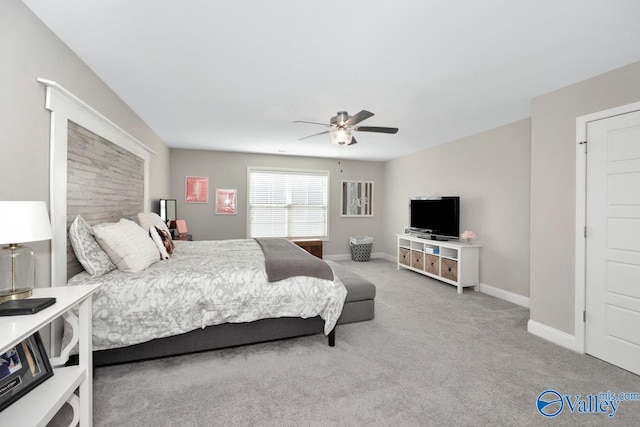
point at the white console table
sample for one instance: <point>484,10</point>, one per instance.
<point>39,406</point>
<point>453,262</point>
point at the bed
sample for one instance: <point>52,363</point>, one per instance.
<point>198,285</point>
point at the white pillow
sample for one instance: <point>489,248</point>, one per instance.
<point>94,260</point>
<point>127,244</point>
<point>150,219</point>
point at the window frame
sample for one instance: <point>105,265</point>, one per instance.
<point>292,171</point>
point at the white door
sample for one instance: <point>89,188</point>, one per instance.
<point>613,241</point>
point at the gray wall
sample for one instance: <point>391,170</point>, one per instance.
<point>553,181</point>
<point>490,173</point>
<point>28,50</point>
<point>229,170</point>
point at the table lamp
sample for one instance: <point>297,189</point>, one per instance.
<point>20,222</point>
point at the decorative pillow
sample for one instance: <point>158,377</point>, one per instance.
<point>127,244</point>
<point>163,241</point>
<point>95,261</point>
<point>167,241</point>
<point>150,219</point>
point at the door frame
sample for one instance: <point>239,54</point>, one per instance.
<point>581,212</point>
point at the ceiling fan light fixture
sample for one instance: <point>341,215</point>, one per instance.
<point>341,136</point>
<point>342,125</point>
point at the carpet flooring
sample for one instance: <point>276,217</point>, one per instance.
<point>430,357</point>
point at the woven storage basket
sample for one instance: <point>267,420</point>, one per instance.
<point>361,248</point>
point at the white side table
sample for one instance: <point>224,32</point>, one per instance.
<point>39,406</point>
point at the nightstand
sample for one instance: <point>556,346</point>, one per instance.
<point>43,402</point>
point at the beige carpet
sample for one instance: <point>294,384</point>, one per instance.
<point>431,357</point>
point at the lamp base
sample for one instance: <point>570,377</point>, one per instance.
<point>18,293</point>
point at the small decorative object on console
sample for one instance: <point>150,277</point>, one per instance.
<point>468,236</point>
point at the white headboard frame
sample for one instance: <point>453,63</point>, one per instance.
<point>65,107</point>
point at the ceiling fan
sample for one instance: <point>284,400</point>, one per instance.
<point>343,125</point>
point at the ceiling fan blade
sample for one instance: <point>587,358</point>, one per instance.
<point>358,117</point>
<point>353,141</point>
<point>315,134</point>
<point>311,123</point>
<point>376,129</point>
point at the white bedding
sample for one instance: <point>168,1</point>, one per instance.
<point>204,283</point>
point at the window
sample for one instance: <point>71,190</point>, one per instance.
<point>288,203</point>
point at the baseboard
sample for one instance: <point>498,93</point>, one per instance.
<point>505,295</point>
<point>347,257</point>
<point>553,335</point>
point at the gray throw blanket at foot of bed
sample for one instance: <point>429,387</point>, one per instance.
<point>284,259</point>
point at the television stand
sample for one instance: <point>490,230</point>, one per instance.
<point>452,262</point>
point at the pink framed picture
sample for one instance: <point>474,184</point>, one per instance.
<point>196,189</point>
<point>225,202</point>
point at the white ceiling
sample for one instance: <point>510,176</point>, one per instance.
<point>233,75</point>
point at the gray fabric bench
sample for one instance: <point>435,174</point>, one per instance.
<point>361,293</point>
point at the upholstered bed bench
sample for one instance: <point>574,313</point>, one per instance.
<point>361,293</point>
<point>359,306</point>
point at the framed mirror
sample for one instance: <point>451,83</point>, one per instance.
<point>168,210</point>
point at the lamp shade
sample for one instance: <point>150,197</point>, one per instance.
<point>22,222</point>
<point>341,136</point>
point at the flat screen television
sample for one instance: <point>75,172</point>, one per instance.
<point>438,217</point>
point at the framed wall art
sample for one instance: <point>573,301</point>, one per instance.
<point>196,189</point>
<point>357,198</point>
<point>226,201</point>
<point>22,368</point>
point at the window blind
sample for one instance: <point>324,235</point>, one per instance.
<point>287,203</point>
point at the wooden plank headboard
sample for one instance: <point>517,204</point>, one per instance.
<point>105,182</point>
<point>76,124</point>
